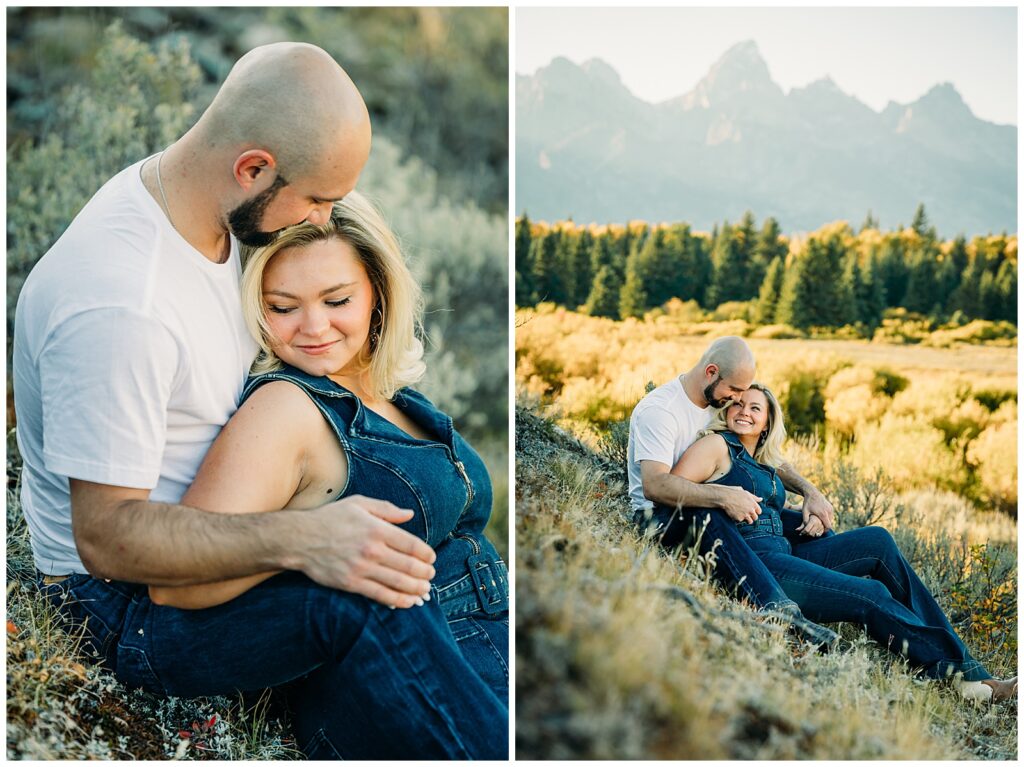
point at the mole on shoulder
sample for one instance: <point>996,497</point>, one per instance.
<point>329,491</point>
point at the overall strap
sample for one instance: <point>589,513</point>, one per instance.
<point>338,405</point>
<point>736,449</point>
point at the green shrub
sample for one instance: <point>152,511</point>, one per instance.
<point>778,331</point>
<point>999,333</point>
<point>733,310</point>
<point>993,455</point>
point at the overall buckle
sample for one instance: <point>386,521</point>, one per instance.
<point>489,583</point>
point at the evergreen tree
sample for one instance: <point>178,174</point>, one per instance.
<point>525,294</point>
<point>811,292</point>
<point>771,289</point>
<point>684,265</point>
<point>851,292</point>
<point>564,253</point>
<point>958,255</point>
<point>746,235</point>
<point>729,279</point>
<point>767,248</point>
<point>601,254</point>
<point>632,296</point>
<point>548,274</point>
<point>920,224</point>
<point>604,295</point>
<point>522,241</point>
<point>1006,291</point>
<point>988,296</point>
<point>946,280</point>
<point>703,268</point>
<point>922,285</point>
<point>892,270</point>
<point>579,266</point>
<point>872,299</point>
<point>870,222</point>
<point>968,295</point>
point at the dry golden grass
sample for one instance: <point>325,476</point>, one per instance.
<point>612,665</point>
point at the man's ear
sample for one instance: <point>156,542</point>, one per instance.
<point>711,370</point>
<point>251,166</point>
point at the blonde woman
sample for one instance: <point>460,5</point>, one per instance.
<point>858,576</point>
<point>330,413</point>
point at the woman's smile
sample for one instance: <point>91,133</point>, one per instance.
<point>750,414</point>
<point>318,303</point>
<point>316,349</point>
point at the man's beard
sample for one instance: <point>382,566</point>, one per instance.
<point>244,221</point>
<point>709,395</point>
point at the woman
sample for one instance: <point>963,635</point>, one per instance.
<point>335,311</point>
<point>826,576</point>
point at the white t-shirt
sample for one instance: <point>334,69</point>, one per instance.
<point>130,353</point>
<point>662,426</point>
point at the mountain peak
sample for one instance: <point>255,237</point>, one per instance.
<point>741,69</point>
<point>945,95</point>
<point>743,50</point>
<point>825,83</point>
<point>602,70</point>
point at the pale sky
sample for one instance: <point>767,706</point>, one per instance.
<point>875,54</point>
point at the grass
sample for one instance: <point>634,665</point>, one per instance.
<point>60,705</point>
<point>623,652</point>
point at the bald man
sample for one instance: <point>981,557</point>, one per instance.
<point>666,422</point>
<point>130,354</point>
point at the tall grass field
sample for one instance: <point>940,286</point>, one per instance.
<point>626,652</point>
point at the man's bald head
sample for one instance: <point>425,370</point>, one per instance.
<point>731,355</point>
<point>723,373</point>
<point>293,100</point>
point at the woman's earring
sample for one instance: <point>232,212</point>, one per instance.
<point>763,438</point>
<point>375,327</point>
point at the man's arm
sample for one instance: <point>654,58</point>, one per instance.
<point>815,503</point>
<point>661,486</point>
<point>351,545</point>
<point>256,464</point>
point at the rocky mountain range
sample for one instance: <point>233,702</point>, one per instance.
<point>588,149</point>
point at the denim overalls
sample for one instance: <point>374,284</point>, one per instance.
<point>765,534</point>
<point>445,483</point>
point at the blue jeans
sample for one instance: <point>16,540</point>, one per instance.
<point>362,681</point>
<point>737,568</point>
<point>861,576</point>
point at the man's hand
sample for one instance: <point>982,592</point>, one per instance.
<point>812,526</point>
<point>355,546</point>
<point>816,505</point>
<point>739,504</point>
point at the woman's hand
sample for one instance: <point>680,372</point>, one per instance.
<point>812,526</point>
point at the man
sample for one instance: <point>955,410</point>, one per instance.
<point>130,354</point>
<point>666,422</point>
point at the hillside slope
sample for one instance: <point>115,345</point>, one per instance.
<point>625,653</point>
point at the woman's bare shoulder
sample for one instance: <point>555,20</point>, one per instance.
<point>712,443</point>
<point>279,402</point>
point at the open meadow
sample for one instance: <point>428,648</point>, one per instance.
<point>626,653</point>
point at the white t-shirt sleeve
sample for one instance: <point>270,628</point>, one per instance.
<point>106,376</point>
<point>654,436</point>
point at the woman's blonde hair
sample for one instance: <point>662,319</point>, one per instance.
<point>769,446</point>
<point>396,352</point>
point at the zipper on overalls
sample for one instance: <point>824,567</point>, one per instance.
<point>473,542</point>
<point>469,485</point>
